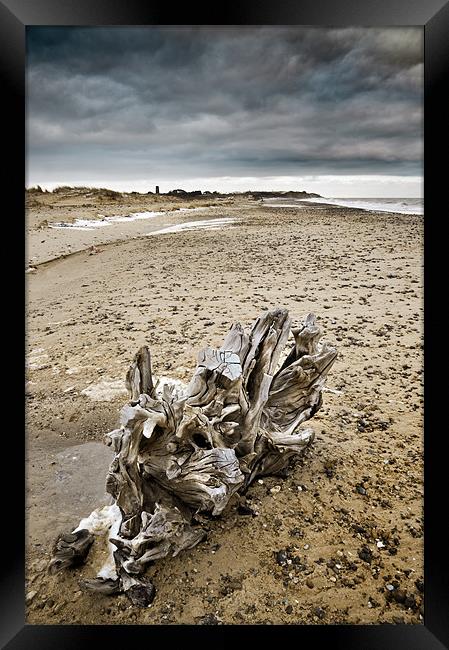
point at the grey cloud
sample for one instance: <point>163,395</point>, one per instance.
<point>219,101</point>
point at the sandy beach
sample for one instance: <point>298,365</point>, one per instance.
<point>340,539</point>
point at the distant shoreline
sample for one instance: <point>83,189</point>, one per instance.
<point>62,223</point>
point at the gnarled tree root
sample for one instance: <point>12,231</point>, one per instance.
<point>179,453</point>
<point>70,549</point>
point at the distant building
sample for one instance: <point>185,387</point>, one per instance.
<point>157,189</point>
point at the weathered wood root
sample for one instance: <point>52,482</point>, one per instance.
<point>70,549</point>
<point>180,454</point>
<point>143,594</point>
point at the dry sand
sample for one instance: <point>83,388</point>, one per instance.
<point>340,539</point>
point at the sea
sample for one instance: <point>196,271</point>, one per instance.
<point>398,205</point>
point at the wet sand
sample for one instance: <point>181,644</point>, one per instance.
<point>340,539</point>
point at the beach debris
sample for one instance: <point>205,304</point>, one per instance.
<point>70,549</point>
<point>180,452</point>
<point>93,250</point>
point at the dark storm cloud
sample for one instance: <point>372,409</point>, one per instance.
<point>187,102</point>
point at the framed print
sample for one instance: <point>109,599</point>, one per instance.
<point>233,260</point>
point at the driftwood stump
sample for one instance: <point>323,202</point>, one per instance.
<point>181,452</point>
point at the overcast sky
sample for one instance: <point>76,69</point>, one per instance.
<point>334,111</point>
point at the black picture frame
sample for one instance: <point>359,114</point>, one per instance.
<point>433,16</point>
